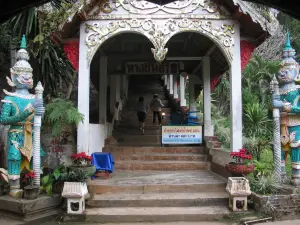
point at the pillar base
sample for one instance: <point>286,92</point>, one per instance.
<point>183,103</point>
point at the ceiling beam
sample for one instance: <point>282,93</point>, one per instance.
<point>187,58</point>
<point>187,41</point>
<point>212,48</point>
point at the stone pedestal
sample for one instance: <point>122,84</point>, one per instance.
<point>238,189</point>
<point>30,209</point>
<point>75,193</point>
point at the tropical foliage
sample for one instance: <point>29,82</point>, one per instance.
<point>61,115</point>
<point>48,60</point>
<point>257,128</point>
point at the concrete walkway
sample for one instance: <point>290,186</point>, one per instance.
<point>9,221</point>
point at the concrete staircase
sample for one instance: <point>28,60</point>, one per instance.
<point>153,183</point>
<point>127,131</point>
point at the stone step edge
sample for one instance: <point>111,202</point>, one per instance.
<point>162,154</point>
<point>158,210</point>
<point>161,162</point>
<point>161,196</point>
<point>150,147</point>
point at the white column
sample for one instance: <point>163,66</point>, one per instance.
<point>171,84</point>
<point>236,124</point>
<point>182,91</point>
<point>208,128</point>
<point>175,88</point>
<point>103,90</point>
<point>192,106</point>
<point>165,80</point>
<point>83,94</point>
<point>112,82</point>
<point>168,82</point>
<point>118,96</point>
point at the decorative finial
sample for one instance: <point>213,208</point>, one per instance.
<point>287,45</point>
<point>39,88</point>
<point>274,83</point>
<point>23,42</point>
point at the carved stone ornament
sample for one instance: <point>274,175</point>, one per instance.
<point>159,33</point>
<point>139,9</point>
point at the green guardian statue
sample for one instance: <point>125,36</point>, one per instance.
<point>18,110</point>
<point>288,101</point>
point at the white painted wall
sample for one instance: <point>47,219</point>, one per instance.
<point>98,134</point>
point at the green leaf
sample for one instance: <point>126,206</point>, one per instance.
<point>39,38</point>
<point>49,189</point>
<point>45,180</point>
<point>56,174</point>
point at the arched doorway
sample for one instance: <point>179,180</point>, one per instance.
<point>164,22</point>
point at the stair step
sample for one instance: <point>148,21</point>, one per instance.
<point>161,165</point>
<point>152,214</point>
<point>147,182</point>
<point>137,144</point>
<point>135,126</point>
<point>160,200</point>
<point>133,149</point>
<point>135,122</point>
<point>161,156</point>
<point>142,138</point>
<point>136,132</point>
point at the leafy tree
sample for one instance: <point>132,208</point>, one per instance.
<point>49,62</point>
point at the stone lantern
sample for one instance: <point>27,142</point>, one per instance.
<point>238,189</point>
<point>75,193</point>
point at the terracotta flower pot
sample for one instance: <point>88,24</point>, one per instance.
<point>239,169</point>
<point>31,191</point>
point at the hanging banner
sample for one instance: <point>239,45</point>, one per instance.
<point>181,134</point>
<point>151,68</point>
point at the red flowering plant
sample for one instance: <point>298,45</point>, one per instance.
<point>241,157</point>
<point>242,163</point>
<point>81,159</point>
<point>29,177</point>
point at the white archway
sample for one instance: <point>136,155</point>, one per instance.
<point>159,24</point>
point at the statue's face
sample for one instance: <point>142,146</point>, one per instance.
<point>23,80</point>
<point>287,74</point>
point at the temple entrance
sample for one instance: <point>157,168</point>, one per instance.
<point>123,69</point>
<point>130,49</point>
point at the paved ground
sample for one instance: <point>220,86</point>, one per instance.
<point>7,221</point>
<point>295,222</point>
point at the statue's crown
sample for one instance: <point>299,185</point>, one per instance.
<point>22,66</point>
<point>288,55</point>
<point>288,50</point>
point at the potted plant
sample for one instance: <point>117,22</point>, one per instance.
<point>53,182</point>
<point>31,191</point>
<point>82,161</point>
<point>242,164</point>
<point>76,175</point>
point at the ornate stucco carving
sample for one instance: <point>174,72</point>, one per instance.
<point>141,9</point>
<point>159,33</point>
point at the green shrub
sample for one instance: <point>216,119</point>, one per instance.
<point>264,185</point>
